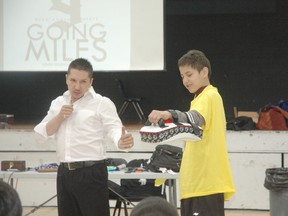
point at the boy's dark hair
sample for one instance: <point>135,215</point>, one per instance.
<point>151,206</point>
<point>10,204</point>
<point>196,59</point>
<point>81,64</point>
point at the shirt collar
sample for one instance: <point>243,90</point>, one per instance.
<point>90,92</point>
<point>199,91</point>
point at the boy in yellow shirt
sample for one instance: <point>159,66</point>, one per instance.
<point>205,174</point>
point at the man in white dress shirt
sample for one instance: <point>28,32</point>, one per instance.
<point>80,120</point>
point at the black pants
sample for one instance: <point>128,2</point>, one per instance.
<point>83,192</point>
<point>211,205</point>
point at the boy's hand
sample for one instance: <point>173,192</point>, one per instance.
<point>156,115</point>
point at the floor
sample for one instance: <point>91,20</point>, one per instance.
<point>52,211</point>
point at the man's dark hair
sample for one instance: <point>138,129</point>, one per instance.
<point>196,59</point>
<point>10,204</point>
<point>81,64</point>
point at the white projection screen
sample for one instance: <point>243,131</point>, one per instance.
<point>114,35</point>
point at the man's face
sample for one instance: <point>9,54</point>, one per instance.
<point>78,83</point>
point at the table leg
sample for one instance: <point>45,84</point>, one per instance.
<point>172,192</point>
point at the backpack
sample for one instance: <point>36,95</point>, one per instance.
<point>283,104</point>
<point>135,189</point>
<point>140,188</point>
<point>272,118</point>
<point>165,156</point>
<point>241,123</point>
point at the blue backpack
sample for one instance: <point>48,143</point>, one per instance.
<point>283,104</point>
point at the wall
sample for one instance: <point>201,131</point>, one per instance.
<point>246,43</point>
<point>250,154</point>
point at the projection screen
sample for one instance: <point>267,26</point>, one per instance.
<point>114,35</point>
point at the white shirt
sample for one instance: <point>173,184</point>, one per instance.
<point>80,137</point>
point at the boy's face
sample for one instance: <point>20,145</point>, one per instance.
<point>193,79</point>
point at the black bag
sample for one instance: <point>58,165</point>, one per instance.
<point>114,190</point>
<point>140,188</point>
<point>135,189</point>
<point>165,156</point>
<point>241,123</point>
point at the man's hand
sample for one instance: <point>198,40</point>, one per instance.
<point>126,141</point>
<point>53,125</point>
<point>66,111</point>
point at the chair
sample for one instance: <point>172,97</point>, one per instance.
<point>129,100</point>
<point>115,192</point>
<point>132,190</point>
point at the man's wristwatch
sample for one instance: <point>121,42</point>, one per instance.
<point>174,115</point>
